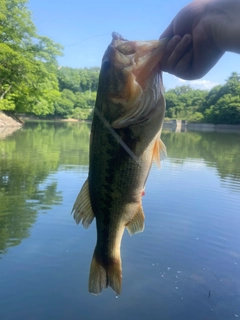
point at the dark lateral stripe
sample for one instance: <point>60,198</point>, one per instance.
<point>116,136</point>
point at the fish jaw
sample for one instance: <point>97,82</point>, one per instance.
<point>132,79</point>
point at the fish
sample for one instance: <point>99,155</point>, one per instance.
<point>124,142</point>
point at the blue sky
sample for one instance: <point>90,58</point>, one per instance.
<point>84,28</point>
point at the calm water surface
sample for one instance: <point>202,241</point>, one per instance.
<point>186,263</point>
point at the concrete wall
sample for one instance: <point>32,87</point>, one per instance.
<point>182,125</point>
<point>207,127</point>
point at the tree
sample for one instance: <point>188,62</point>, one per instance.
<point>85,100</point>
<point>69,78</point>
<point>183,102</point>
<point>225,102</point>
<point>64,104</point>
<point>78,80</point>
<point>16,26</point>
<point>226,110</point>
<point>28,65</point>
<point>212,97</point>
<point>232,85</point>
<point>84,114</point>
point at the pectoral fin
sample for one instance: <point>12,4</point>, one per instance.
<point>159,152</point>
<point>82,209</point>
<point>137,223</point>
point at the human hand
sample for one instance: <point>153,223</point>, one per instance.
<point>194,47</point>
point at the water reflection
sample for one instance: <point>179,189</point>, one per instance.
<point>190,244</point>
<point>27,158</point>
<point>31,154</point>
<point>219,150</point>
<point>7,131</point>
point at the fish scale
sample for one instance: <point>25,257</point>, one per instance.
<point>125,139</point>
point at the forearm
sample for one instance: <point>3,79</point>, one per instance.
<point>226,27</point>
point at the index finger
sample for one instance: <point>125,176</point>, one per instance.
<point>168,32</point>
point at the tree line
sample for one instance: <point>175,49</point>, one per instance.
<point>219,105</point>
<point>32,82</point>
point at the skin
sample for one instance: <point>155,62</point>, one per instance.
<point>125,135</point>
<point>199,35</point>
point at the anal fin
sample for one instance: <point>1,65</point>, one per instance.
<point>82,209</point>
<point>137,223</point>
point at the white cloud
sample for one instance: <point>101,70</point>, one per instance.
<point>199,84</point>
<point>181,80</point>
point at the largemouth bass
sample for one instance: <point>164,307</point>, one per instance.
<point>125,140</point>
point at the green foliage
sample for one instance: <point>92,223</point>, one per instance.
<point>224,107</point>
<point>83,85</point>
<point>64,104</point>
<point>84,114</point>
<point>68,78</point>
<point>31,157</point>
<point>17,28</point>
<point>226,110</point>
<point>28,67</point>
<point>220,151</point>
<point>32,82</point>
<point>219,105</point>
<point>212,97</point>
<point>183,102</point>
<point>85,100</point>
<point>196,117</point>
<point>7,104</point>
<point>78,80</point>
<point>26,159</point>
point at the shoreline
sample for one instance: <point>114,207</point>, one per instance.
<point>16,121</point>
<point>171,125</point>
<point>182,126</point>
<point>174,125</point>
<point>34,118</point>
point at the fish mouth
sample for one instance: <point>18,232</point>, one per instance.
<point>137,78</point>
<point>144,56</point>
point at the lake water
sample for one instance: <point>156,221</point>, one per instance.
<point>186,263</point>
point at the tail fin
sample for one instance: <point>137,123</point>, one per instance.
<point>103,276</point>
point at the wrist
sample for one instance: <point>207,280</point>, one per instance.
<point>224,24</point>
